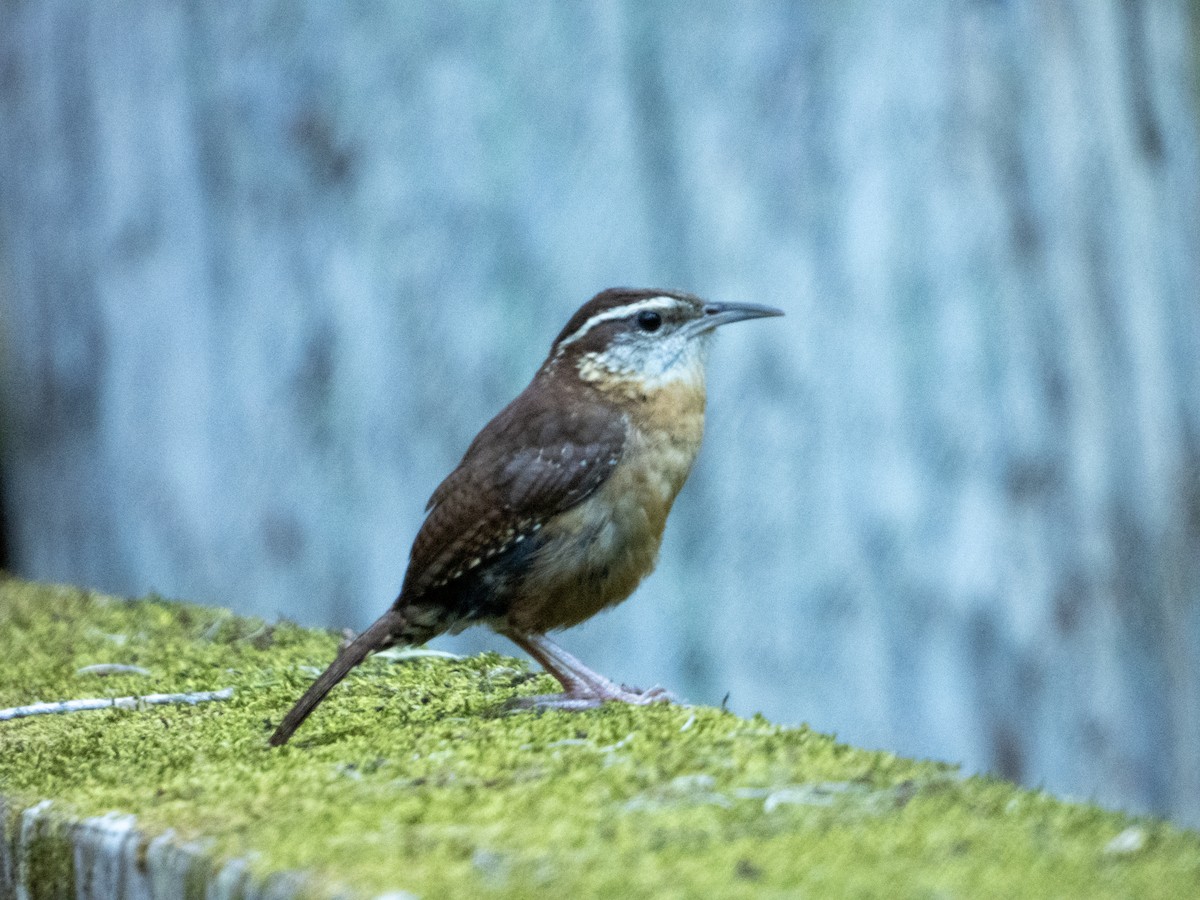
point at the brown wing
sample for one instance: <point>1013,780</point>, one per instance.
<point>541,455</point>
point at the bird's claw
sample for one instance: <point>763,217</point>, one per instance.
<point>656,694</point>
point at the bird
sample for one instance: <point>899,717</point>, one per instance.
<point>558,506</point>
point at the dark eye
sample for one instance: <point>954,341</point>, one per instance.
<point>648,320</point>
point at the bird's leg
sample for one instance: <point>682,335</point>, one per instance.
<point>582,687</point>
<point>568,669</point>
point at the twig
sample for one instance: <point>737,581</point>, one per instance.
<point>111,669</point>
<point>400,654</point>
<point>67,706</point>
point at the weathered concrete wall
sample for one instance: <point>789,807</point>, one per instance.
<point>107,858</point>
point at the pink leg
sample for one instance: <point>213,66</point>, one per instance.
<point>582,688</point>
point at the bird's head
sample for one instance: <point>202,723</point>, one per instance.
<point>648,336</point>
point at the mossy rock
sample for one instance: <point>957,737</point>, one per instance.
<point>410,781</point>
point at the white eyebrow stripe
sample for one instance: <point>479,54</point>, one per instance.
<point>618,312</point>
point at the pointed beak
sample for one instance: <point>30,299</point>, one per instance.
<point>716,314</point>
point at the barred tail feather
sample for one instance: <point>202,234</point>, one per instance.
<point>378,636</point>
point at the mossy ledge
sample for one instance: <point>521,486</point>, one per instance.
<point>408,782</point>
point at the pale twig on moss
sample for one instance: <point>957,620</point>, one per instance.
<point>67,706</point>
<point>111,669</point>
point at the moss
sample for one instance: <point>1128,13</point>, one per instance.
<point>407,778</point>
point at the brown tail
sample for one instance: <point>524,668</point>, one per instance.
<point>376,637</point>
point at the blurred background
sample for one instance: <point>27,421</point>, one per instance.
<point>266,268</point>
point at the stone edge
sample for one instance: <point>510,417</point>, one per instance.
<point>107,858</point>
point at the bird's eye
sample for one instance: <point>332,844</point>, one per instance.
<point>648,320</point>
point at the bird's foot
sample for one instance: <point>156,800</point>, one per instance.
<point>656,694</point>
<point>582,688</point>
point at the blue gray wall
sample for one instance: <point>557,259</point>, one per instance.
<point>265,268</point>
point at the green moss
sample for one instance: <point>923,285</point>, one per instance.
<point>408,779</point>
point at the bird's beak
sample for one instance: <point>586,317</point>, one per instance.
<point>723,313</point>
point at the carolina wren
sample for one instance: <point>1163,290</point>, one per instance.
<point>558,507</point>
